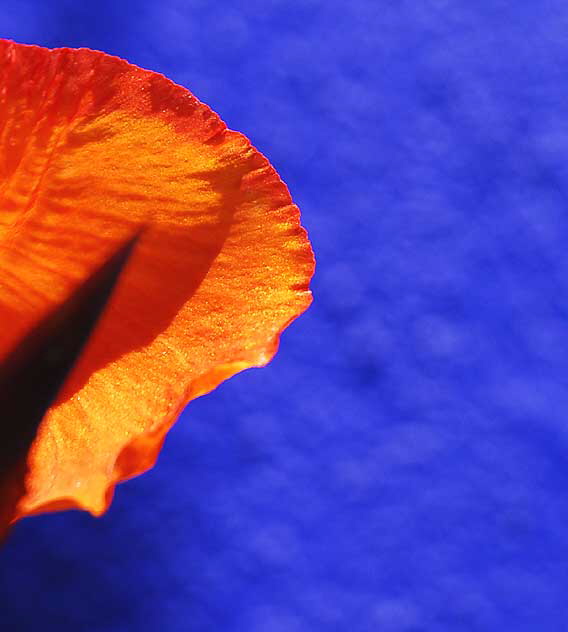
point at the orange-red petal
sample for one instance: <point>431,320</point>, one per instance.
<point>92,148</point>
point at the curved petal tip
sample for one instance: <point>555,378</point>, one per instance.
<point>97,148</point>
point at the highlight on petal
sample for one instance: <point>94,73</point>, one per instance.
<point>92,148</point>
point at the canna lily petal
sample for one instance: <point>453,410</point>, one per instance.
<point>93,148</point>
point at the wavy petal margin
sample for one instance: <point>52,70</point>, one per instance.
<point>92,148</point>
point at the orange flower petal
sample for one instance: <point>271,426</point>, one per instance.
<point>92,148</point>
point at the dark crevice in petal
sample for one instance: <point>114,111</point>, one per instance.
<point>33,373</point>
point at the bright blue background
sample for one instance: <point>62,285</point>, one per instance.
<point>402,466</point>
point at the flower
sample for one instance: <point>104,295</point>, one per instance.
<point>93,148</point>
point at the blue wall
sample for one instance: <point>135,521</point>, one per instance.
<point>402,466</point>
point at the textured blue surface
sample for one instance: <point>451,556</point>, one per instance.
<point>402,466</point>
